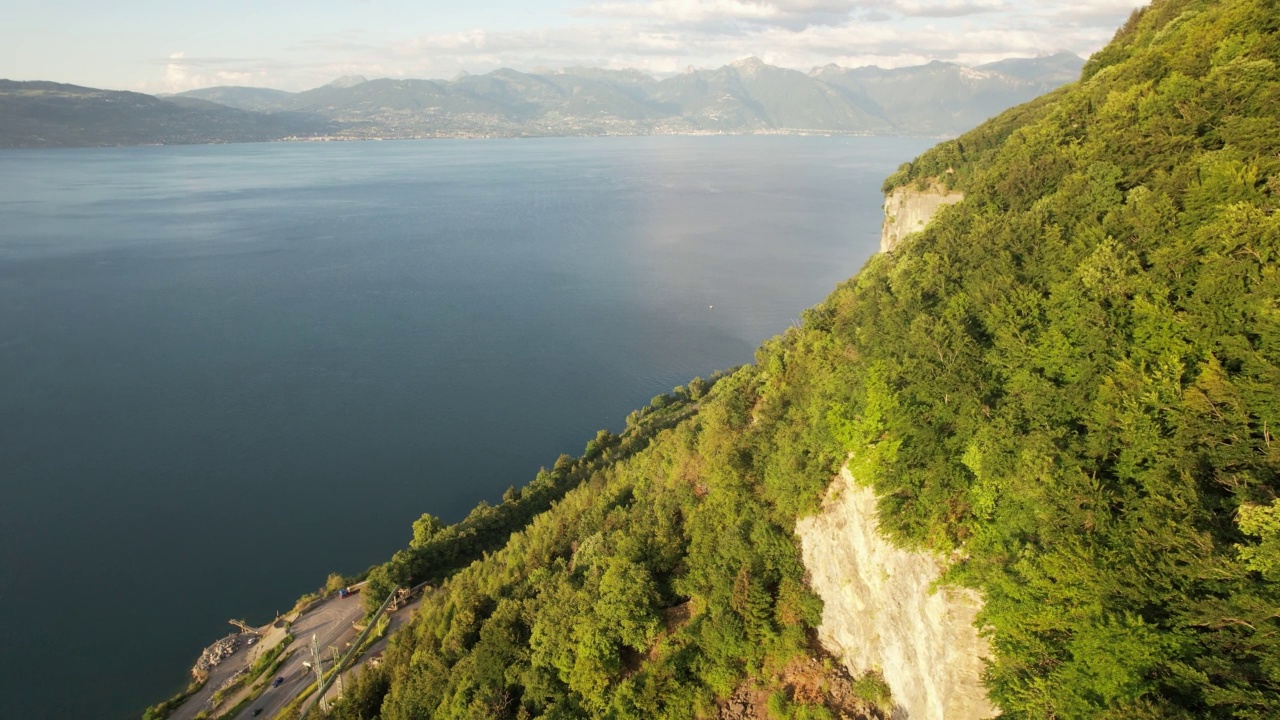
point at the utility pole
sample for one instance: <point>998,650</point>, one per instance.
<point>315,663</point>
<point>315,654</point>
<point>337,668</point>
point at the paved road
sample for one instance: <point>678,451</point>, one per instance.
<point>331,621</point>
<point>398,620</point>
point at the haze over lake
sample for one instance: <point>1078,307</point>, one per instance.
<point>226,371</point>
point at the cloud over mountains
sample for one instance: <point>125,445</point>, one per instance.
<point>666,36</point>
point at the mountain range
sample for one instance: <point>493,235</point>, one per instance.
<point>47,114</point>
<point>747,96</point>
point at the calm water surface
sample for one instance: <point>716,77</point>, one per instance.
<point>226,371</point>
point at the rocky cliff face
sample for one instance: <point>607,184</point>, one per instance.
<point>908,209</point>
<point>883,613</point>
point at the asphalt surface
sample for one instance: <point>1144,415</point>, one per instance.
<point>398,620</point>
<point>331,622</point>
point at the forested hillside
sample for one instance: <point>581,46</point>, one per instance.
<point>46,114</point>
<point>1069,382</point>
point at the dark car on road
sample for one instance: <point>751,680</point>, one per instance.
<point>277,682</point>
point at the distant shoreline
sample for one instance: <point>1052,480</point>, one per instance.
<point>466,136</point>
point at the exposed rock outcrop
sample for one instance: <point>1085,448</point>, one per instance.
<point>908,209</point>
<point>882,611</point>
<point>217,652</point>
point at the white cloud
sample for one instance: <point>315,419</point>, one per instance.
<point>685,11</point>
<point>949,8</point>
<point>184,73</point>
<point>175,72</point>
<point>665,36</point>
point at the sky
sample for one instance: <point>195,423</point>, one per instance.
<point>162,46</point>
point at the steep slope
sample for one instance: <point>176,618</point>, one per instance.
<point>882,612</point>
<point>910,208</point>
<point>1073,374</point>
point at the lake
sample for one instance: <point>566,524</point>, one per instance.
<point>226,371</point>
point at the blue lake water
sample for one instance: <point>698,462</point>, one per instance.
<point>226,371</point>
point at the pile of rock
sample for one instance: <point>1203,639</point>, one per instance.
<point>218,652</point>
<point>740,706</point>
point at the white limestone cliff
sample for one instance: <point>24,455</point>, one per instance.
<point>909,209</point>
<point>883,613</point>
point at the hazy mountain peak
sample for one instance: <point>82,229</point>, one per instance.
<point>627,75</point>
<point>750,64</point>
<point>828,68</point>
<point>347,81</point>
<point>972,74</point>
<point>1055,68</point>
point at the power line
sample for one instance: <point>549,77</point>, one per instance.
<point>315,665</point>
